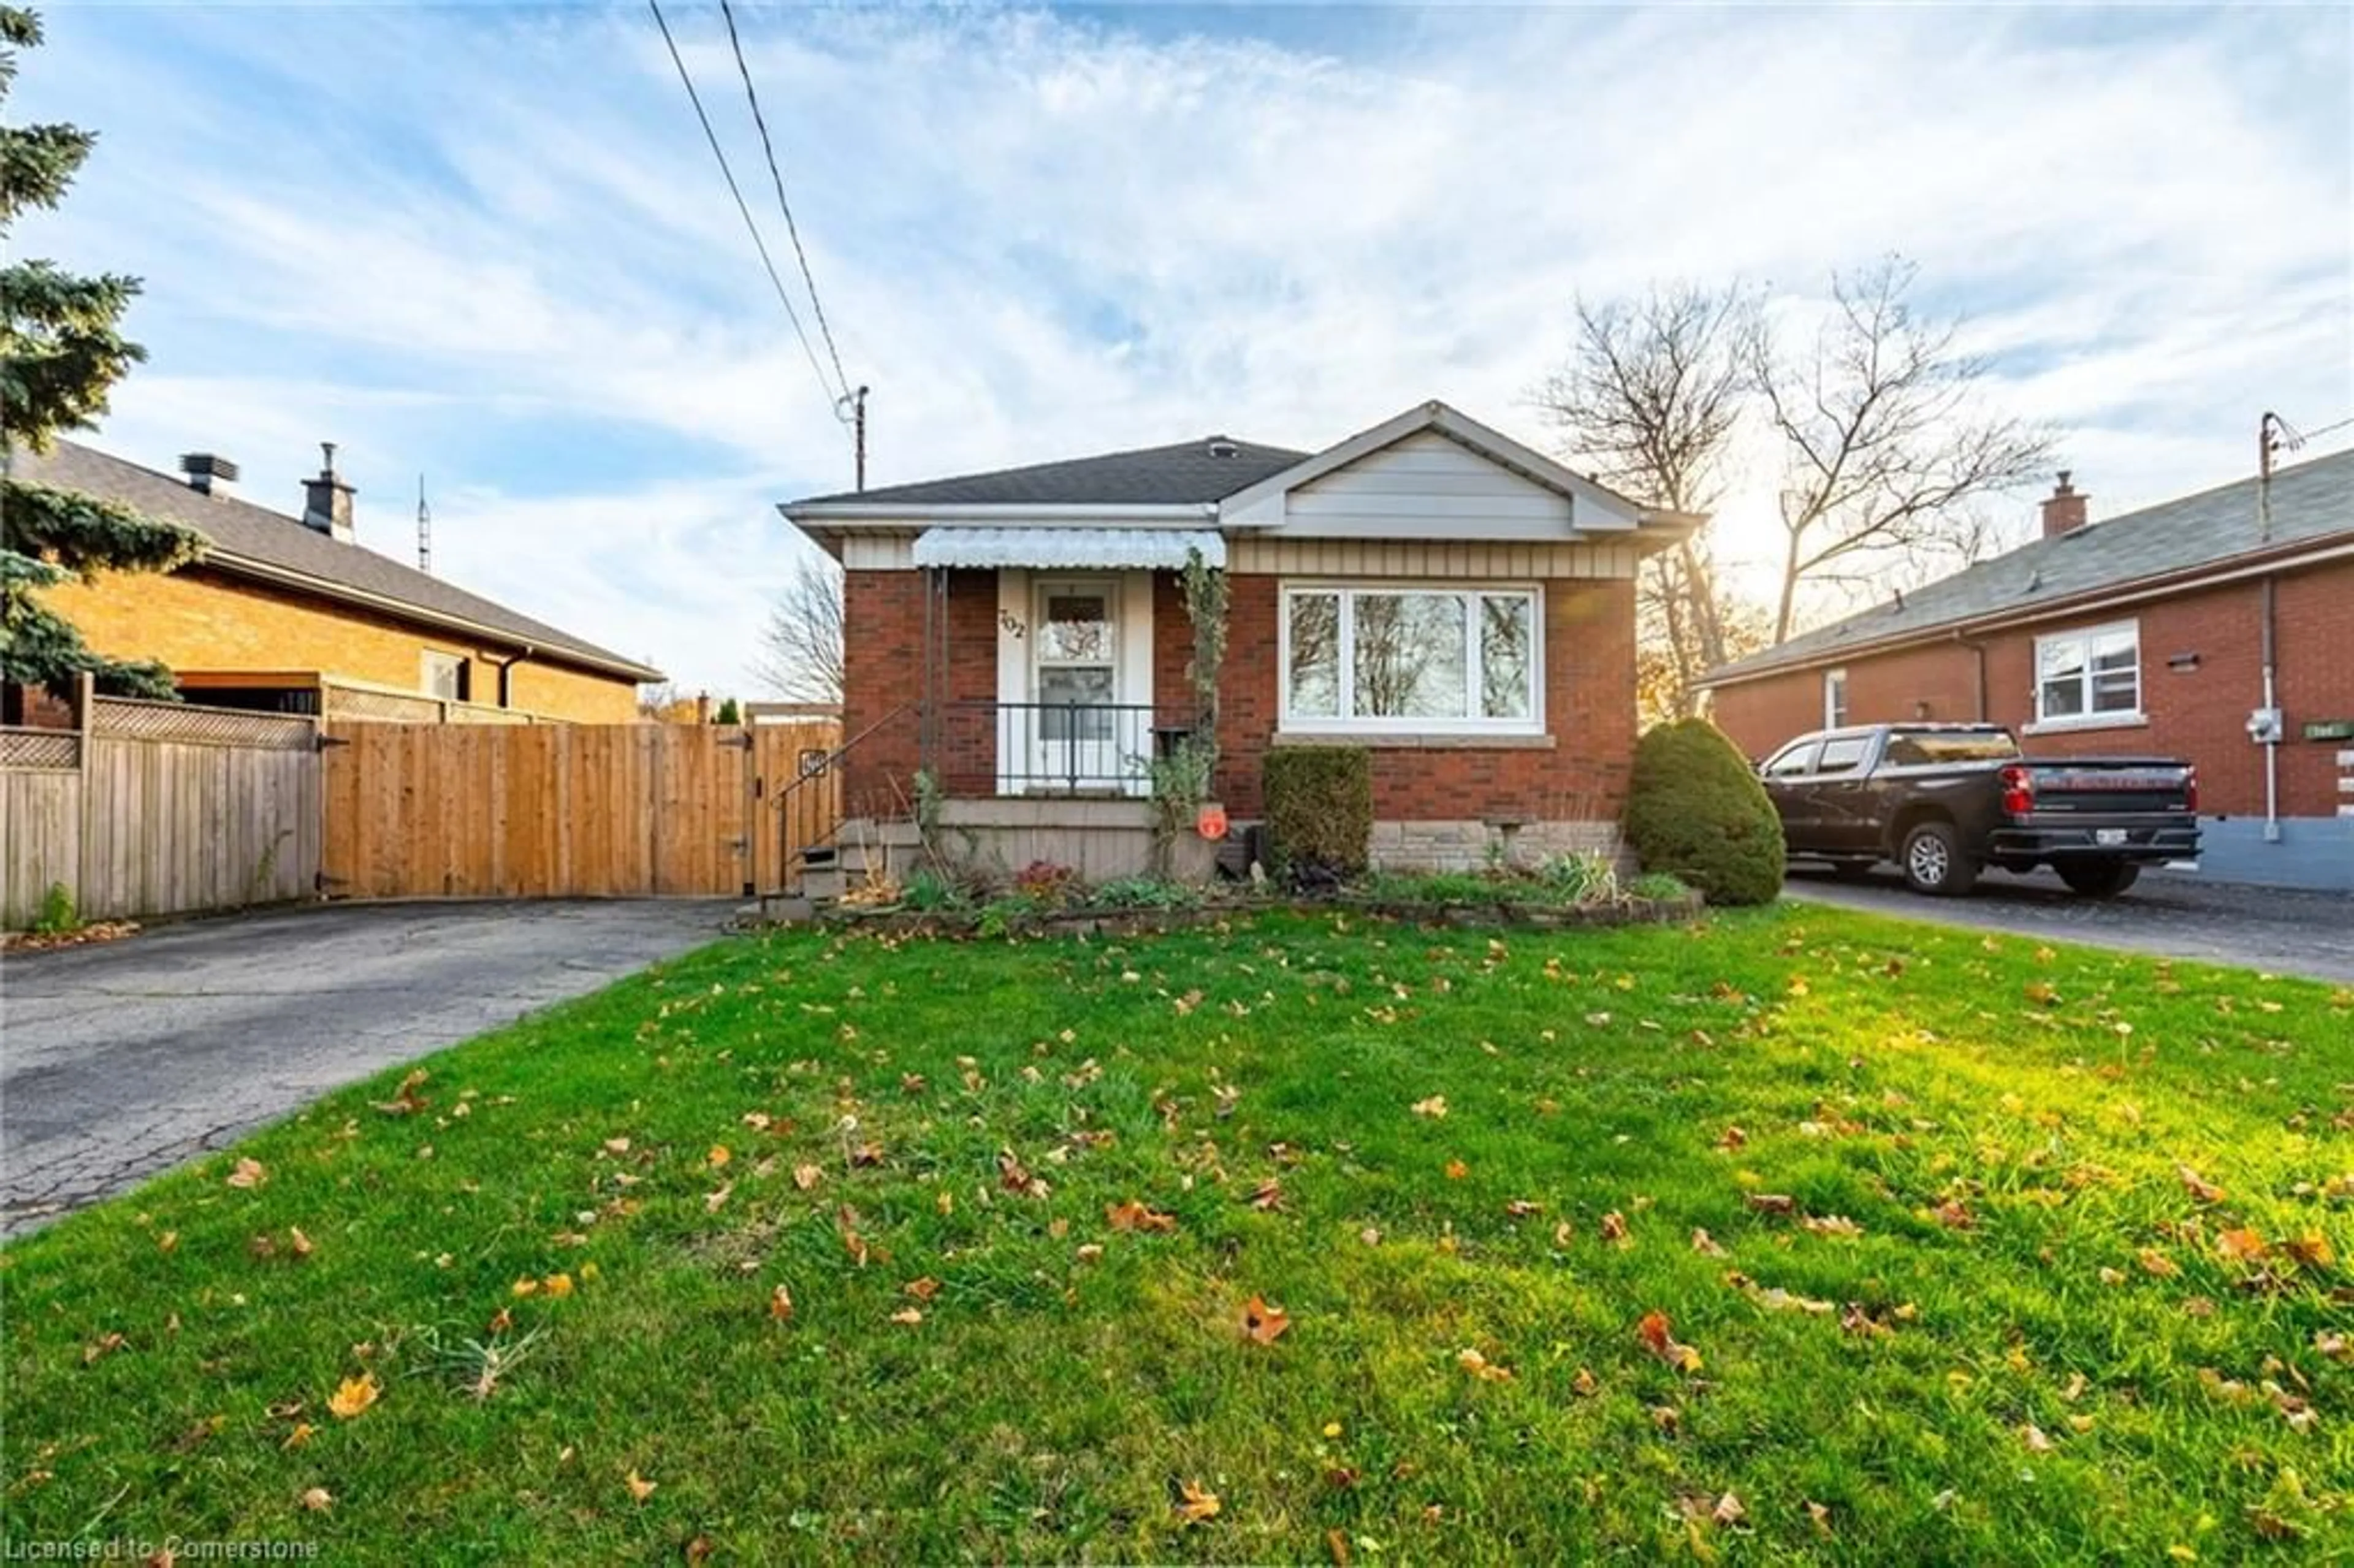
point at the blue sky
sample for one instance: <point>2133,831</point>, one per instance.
<point>487,243</point>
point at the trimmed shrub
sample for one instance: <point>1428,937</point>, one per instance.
<point>1695,811</point>
<point>1320,810</point>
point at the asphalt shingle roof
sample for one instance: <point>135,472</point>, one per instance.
<point>2310,501</point>
<point>240,529</point>
<point>1182,474</point>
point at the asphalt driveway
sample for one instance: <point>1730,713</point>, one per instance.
<point>2278,931</point>
<point>125,1058</point>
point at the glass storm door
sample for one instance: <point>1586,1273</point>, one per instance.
<point>1074,730</point>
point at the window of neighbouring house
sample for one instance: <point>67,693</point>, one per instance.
<point>2089,674</point>
<point>445,676</point>
<point>1407,659</point>
<point>1834,699</point>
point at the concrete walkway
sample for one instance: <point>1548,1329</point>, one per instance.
<point>125,1058</point>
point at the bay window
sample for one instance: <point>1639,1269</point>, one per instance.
<point>2089,675</point>
<point>1403,660</point>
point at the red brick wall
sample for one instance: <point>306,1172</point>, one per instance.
<point>2197,714</point>
<point>1936,681</point>
<point>1589,709</point>
<point>881,666</point>
<point>1589,703</point>
<point>2313,679</point>
<point>883,675</point>
<point>1172,648</point>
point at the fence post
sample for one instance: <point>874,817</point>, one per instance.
<point>85,727</point>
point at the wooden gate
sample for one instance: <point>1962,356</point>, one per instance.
<point>565,810</point>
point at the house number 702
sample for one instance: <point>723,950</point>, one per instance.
<point>1012,623</point>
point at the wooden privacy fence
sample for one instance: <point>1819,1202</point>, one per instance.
<point>568,811</point>
<point>158,808</point>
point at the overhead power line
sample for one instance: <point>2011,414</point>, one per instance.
<point>793,229</point>
<point>776,280</point>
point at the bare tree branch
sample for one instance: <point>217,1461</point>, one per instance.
<point>1651,395</point>
<point>800,647</point>
<point>1886,447</point>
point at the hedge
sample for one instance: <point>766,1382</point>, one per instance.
<point>1695,809</point>
<point>1319,808</point>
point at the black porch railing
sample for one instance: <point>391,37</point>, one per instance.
<point>1026,749</point>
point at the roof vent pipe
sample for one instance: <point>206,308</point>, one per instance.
<point>1220,446</point>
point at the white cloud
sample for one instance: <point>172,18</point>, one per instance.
<point>493,249</point>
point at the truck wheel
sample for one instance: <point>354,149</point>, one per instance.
<point>1934,862</point>
<point>2098,878</point>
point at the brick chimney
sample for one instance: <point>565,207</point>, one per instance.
<point>2063,509</point>
<point>327,500</point>
<point>209,474</point>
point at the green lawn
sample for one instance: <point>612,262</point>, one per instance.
<point>2011,1255</point>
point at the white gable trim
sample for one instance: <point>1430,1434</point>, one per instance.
<point>902,513</point>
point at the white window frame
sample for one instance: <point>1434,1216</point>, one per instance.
<point>431,663</point>
<point>1348,588</point>
<point>2116,718</point>
<point>1835,708</point>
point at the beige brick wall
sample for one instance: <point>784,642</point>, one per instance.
<point>1471,845</point>
<point>199,620</point>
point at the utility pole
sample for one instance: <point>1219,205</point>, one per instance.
<point>424,529</point>
<point>2267,443</point>
<point>2265,723</point>
<point>858,424</point>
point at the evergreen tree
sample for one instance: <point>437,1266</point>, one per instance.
<point>63,349</point>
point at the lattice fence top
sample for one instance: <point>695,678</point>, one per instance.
<point>39,747</point>
<point>401,707</point>
<point>345,703</point>
<point>127,718</point>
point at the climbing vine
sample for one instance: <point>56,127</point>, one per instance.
<point>1182,779</point>
<point>1205,606</point>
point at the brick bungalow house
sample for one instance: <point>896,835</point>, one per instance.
<point>2219,628</point>
<point>1462,604</point>
<point>291,615</point>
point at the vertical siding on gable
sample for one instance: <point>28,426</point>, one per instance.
<point>1422,486</point>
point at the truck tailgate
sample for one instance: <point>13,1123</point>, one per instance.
<point>2113,787</point>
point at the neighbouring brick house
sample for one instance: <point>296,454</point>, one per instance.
<point>2145,633</point>
<point>1462,604</point>
<point>292,615</point>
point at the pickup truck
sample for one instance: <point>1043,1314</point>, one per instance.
<point>1945,800</point>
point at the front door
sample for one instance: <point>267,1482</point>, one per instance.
<point>1074,681</point>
